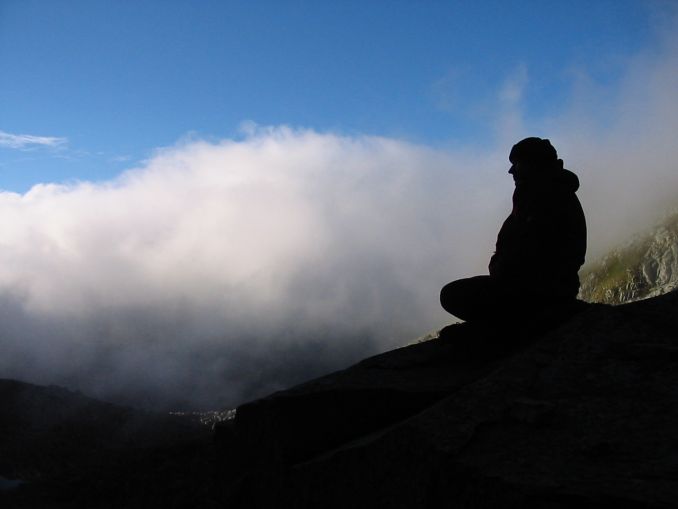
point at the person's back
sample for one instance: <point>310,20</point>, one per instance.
<point>539,249</point>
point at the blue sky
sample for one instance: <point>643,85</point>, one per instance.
<point>102,84</point>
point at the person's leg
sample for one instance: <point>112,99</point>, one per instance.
<point>475,299</point>
<point>482,300</point>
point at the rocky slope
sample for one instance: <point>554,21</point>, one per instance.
<point>645,267</point>
<point>583,415</point>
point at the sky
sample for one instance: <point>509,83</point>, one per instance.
<point>102,84</point>
<point>202,202</point>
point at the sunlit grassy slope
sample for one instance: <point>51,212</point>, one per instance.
<point>644,267</point>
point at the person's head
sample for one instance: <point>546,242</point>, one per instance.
<point>533,157</point>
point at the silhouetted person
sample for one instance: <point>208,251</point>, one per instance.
<point>540,247</point>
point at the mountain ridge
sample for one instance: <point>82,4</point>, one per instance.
<point>647,266</point>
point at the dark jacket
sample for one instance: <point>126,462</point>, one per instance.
<point>542,244</point>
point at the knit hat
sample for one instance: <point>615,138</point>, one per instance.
<point>533,151</point>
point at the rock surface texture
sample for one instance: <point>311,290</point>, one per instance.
<point>646,267</point>
<point>582,416</point>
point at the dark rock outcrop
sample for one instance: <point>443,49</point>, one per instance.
<point>582,416</point>
<point>585,415</point>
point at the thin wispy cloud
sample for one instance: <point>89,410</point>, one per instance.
<point>29,141</point>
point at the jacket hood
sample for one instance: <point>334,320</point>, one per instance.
<point>567,180</point>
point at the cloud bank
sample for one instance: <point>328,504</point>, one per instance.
<point>219,271</point>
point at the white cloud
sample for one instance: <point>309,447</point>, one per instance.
<point>26,141</point>
<point>330,247</point>
<point>221,271</point>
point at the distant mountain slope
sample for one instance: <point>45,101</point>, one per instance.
<point>645,267</point>
<point>63,449</point>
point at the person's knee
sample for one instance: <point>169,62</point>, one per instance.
<point>450,296</point>
<point>468,298</point>
<point>444,294</point>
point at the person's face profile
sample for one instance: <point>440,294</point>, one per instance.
<point>518,170</point>
<point>525,170</point>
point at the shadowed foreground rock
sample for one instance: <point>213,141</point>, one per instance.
<point>583,416</point>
